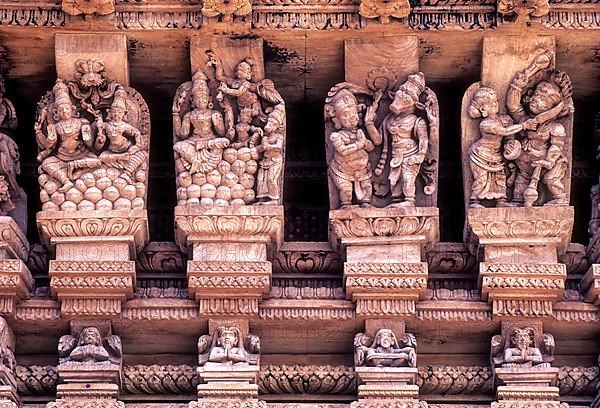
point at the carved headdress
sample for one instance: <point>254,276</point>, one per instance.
<point>120,99</point>
<point>414,86</point>
<point>200,83</point>
<point>61,93</point>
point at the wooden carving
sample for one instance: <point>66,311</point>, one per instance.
<point>77,7</point>
<point>385,350</point>
<point>89,348</point>
<point>534,8</point>
<point>13,200</point>
<point>93,135</point>
<point>226,346</point>
<point>229,138</point>
<point>521,158</point>
<point>384,10</point>
<point>382,142</point>
<point>520,349</point>
<point>226,9</point>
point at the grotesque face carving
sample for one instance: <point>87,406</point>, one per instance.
<point>90,336</point>
<point>385,339</point>
<point>402,102</point>
<point>228,338</point>
<point>545,97</point>
<point>522,338</point>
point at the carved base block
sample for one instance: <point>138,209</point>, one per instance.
<point>397,383</point>
<point>384,272</point>
<point>235,381</point>
<point>228,403</point>
<point>16,284</point>
<point>524,392</point>
<point>529,404</point>
<point>590,285</point>
<point>75,373</point>
<point>522,289</point>
<point>86,395</point>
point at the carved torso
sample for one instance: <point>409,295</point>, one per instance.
<point>71,146</point>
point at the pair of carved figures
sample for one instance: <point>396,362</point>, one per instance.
<point>93,136</point>
<point>227,346</point>
<point>519,349</point>
<point>521,159</point>
<point>229,148</point>
<point>384,350</point>
<point>382,142</point>
<point>13,200</point>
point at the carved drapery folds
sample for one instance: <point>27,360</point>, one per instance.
<point>521,358</point>
<point>516,149</point>
<point>229,137</point>
<point>93,135</point>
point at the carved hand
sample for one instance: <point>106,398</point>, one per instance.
<point>520,79</point>
<point>530,124</point>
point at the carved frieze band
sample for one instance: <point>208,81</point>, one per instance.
<point>309,379</point>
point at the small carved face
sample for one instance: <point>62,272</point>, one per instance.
<point>117,113</point>
<point>64,111</point>
<point>245,115</point>
<point>243,71</point>
<point>200,100</point>
<point>522,339</point>
<point>272,125</point>
<point>402,102</point>
<point>386,338</point>
<point>90,336</point>
<point>228,338</point>
<point>347,115</point>
<point>544,98</point>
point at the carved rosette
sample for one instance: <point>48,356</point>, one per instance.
<point>385,272</point>
<point>94,271</point>
<point>16,282</point>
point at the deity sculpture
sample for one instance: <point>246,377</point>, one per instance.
<point>7,348</point>
<point>519,350</point>
<point>222,142</point>
<point>93,137</point>
<point>226,346</point>
<point>382,142</point>
<point>90,348</point>
<point>13,200</point>
<point>530,144</point>
<point>384,350</point>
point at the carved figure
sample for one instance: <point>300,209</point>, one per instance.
<point>77,7</point>
<point>541,155</point>
<point>534,8</point>
<point>384,10</point>
<point>90,348</point>
<point>520,350</point>
<point>13,200</point>
<point>388,155</point>
<point>486,160</point>
<point>93,137</point>
<point>7,347</point>
<point>227,347</point>
<point>384,350</point>
<point>219,149</point>
<point>226,9</point>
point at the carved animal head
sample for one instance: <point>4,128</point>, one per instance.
<point>90,73</point>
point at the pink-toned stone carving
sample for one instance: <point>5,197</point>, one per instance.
<point>516,143</point>
<point>384,10</point>
<point>521,358</point>
<point>93,134</point>
<point>533,8</point>
<point>77,7</point>
<point>229,134</point>
<point>382,152</point>
<point>8,365</point>
<point>386,368</point>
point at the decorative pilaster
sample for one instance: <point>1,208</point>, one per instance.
<point>229,144</point>
<point>228,367</point>
<point>383,172</point>
<point>89,369</point>
<point>93,133</point>
<point>516,171</point>
<point>386,368</point>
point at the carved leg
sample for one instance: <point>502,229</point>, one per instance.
<point>553,180</point>
<point>345,189</point>
<point>58,170</point>
<point>86,163</point>
<point>367,189</point>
